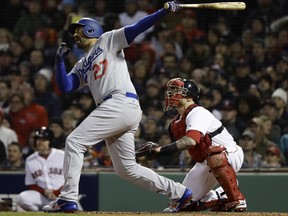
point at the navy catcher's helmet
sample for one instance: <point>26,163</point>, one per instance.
<point>92,28</point>
<point>45,133</point>
<point>177,89</point>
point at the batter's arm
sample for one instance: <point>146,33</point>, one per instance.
<point>66,83</point>
<point>132,31</point>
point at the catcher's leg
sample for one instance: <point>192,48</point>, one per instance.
<point>226,177</point>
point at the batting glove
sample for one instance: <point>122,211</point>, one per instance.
<point>62,52</point>
<point>172,6</point>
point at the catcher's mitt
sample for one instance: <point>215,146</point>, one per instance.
<point>147,150</point>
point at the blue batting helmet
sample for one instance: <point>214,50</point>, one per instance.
<point>92,28</point>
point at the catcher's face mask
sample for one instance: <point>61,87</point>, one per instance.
<point>175,91</point>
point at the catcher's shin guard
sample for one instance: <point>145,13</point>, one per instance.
<point>226,177</point>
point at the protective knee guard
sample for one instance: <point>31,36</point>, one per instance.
<point>224,172</point>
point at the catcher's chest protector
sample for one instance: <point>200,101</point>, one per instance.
<point>177,129</point>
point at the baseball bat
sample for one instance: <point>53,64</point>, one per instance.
<point>215,5</point>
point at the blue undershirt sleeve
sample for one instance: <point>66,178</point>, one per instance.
<point>66,83</point>
<point>132,31</point>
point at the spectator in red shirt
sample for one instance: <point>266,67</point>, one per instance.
<point>21,122</point>
<point>32,108</point>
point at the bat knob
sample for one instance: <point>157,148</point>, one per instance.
<point>166,6</point>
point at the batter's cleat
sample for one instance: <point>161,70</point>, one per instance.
<point>237,206</point>
<point>61,205</point>
<point>176,206</point>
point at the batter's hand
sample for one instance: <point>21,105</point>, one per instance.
<point>172,6</point>
<point>149,149</point>
<point>62,52</point>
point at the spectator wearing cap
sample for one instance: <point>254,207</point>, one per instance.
<point>32,108</point>
<point>21,122</point>
<point>279,97</point>
<point>56,126</point>
<point>44,95</point>
<point>252,159</point>
<point>229,118</point>
<point>273,158</point>
<point>257,126</point>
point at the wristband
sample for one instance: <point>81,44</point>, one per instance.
<point>168,149</point>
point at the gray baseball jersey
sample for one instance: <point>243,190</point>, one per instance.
<point>104,68</point>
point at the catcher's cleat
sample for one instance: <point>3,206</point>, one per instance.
<point>61,206</point>
<point>236,206</point>
<point>176,206</point>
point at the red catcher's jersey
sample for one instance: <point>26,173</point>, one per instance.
<point>177,129</point>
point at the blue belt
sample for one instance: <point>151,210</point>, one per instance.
<point>128,94</point>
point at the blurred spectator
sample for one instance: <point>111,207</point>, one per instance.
<point>44,176</point>
<point>6,63</point>
<point>164,161</point>
<point>21,121</point>
<point>69,122</point>
<point>206,100</point>
<point>35,110</point>
<point>56,126</point>
<point>252,159</point>
<point>139,76</point>
<point>279,97</point>
<point>189,26</point>
<point>243,76</point>
<point>150,129</point>
<point>257,126</point>
<point>273,158</point>
<point>152,94</point>
<point>86,101</point>
<point>10,12</point>
<point>14,160</point>
<point>198,52</point>
<point>5,39</point>
<point>5,93</point>
<point>7,135</point>
<point>17,50</point>
<point>37,60</point>
<point>259,59</point>
<point>131,15</point>
<point>2,152</point>
<point>79,114</point>
<point>229,118</point>
<point>32,20</point>
<point>44,94</point>
<point>265,86</point>
<point>99,8</point>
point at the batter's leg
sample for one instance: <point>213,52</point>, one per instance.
<point>123,157</point>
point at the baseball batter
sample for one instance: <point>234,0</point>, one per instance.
<point>210,145</point>
<point>44,173</point>
<point>104,70</point>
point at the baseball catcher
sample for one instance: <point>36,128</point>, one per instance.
<point>210,145</point>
